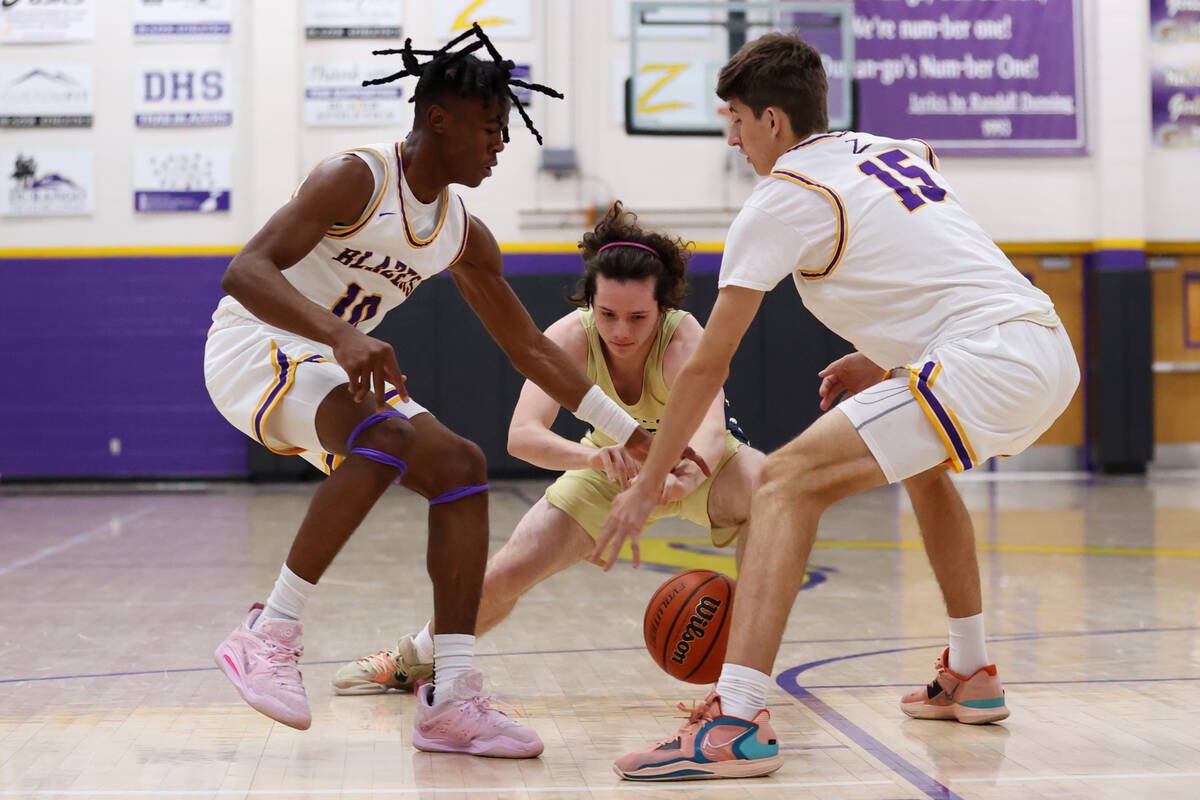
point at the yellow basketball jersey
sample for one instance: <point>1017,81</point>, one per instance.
<point>648,409</point>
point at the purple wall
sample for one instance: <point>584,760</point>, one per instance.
<point>104,348</point>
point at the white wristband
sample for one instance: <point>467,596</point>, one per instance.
<point>602,413</point>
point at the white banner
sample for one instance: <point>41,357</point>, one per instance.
<point>40,183</point>
<point>47,21</point>
<point>210,20</point>
<point>696,23</point>
<point>335,97</point>
<point>183,96</point>
<point>353,19</point>
<point>500,19</point>
<point>49,95</point>
<point>182,179</point>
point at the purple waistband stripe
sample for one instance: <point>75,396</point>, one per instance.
<point>459,493</point>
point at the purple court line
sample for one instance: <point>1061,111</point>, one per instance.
<point>932,788</point>
<point>890,758</point>
<point>584,650</point>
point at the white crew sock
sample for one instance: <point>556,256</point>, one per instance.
<point>452,653</point>
<point>967,649</point>
<point>743,691</point>
<point>424,645</point>
<point>288,598</point>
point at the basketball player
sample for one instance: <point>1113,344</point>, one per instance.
<point>290,363</point>
<point>959,359</point>
<point>632,338</point>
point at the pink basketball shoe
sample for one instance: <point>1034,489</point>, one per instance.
<point>262,666</point>
<point>467,723</point>
<point>974,699</point>
<point>709,745</point>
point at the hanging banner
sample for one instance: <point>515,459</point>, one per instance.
<point>50,95</point>
<point>1175,73</point>
<point>172,20</point>
<point>500,19</point>
<point>43,21</point>
<point>183,97</point>
<point>47,183</point>
<point>974,77</point>
<point>335,97</point>
<point>182,179</point>
<point>353,19</point>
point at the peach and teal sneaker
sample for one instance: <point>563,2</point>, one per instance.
<point>974,699</point>
<point>709,745</point>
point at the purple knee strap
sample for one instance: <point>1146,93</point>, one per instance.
<point>459,493</point>
<point>368,422</point>
<point>382,458</point>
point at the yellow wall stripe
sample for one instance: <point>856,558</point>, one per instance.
<point>1012,248</point>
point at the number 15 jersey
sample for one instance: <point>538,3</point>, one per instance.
<point>879,247</point>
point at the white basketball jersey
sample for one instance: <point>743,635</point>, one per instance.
<point>363,270</point>
<point>879,247</point>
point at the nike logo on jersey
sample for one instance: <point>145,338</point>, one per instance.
<point>387,213</point>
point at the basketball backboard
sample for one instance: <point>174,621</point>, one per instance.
<point>676,50</point>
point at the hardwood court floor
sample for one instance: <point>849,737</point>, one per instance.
<point>112,600</point>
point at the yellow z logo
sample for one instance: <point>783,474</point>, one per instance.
<point>464,19</point>
<point>672,72</point>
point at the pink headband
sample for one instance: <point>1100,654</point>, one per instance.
<point>630,244</point>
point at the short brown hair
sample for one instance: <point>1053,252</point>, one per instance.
<point>780,70</point>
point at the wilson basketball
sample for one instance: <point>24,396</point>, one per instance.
<point>687,625</point>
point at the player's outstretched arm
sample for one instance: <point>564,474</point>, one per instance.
<point>336,192</point>
<point>529,435</point>
<point>479,275</point>
<point>691,397</point>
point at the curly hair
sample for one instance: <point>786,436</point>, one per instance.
<point>667,264</point>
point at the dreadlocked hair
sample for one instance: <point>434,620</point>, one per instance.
<point>667,264</point>
<point>460,72</point>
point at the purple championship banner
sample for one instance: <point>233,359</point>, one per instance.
<point>973,77</point>
<point>1175,73</point>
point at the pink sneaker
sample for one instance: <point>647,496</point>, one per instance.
<point>467,723</point>
<point>709,745</point>
<point>262,665</point>
<point>975,699</point>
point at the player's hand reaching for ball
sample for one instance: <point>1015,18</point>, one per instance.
<point>617,463</point>
<point>638,445</point>
<point>369,363</point>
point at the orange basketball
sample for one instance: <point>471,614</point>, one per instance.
<point>687,625</point>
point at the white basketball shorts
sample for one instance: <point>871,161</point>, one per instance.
<point>268,383</point>
<point>990,394</point>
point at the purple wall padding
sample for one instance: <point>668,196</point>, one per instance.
<point>98,349</point>
<point>104,348</point>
